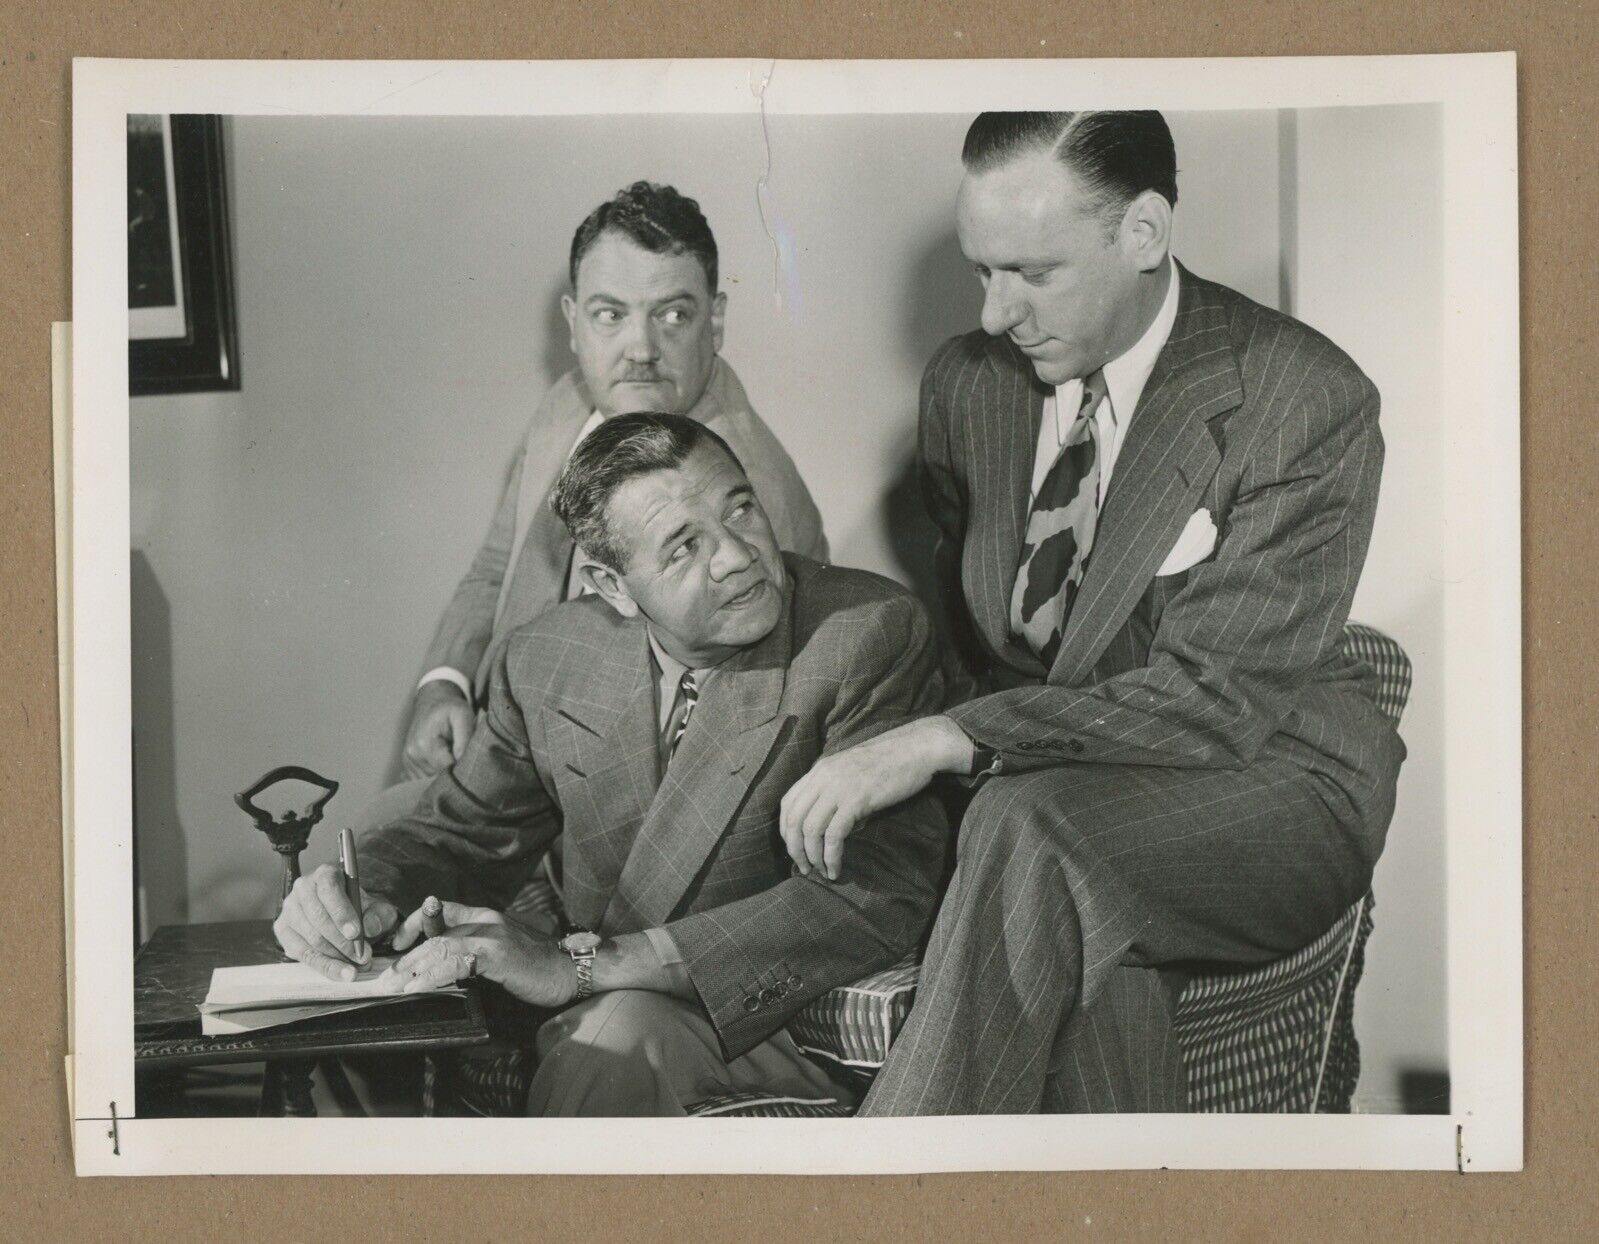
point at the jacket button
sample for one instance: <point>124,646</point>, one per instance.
<point>1076,745</point>
<point>794,982</point>
<point>768,995</point>
<point>751,1003</point>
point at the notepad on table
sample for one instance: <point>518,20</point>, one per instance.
<point>267,995</point>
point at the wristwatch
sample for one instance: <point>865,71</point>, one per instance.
<point>581,947</point>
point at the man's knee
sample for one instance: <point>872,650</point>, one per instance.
<point>626,1053</point>
<point>1007,817</point>
<point>622,1023</point>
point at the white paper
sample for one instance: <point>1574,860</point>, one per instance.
<point>264,985</point>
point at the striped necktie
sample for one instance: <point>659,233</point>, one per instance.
<point>1060,534</point>
<point>688,695</point>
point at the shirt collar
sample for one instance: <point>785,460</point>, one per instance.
<point>1128,373</point>
<point>672,670</point>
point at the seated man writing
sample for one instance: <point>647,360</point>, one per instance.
<point>657,724</point>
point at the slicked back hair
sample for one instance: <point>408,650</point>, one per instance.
<point>622,448</point>
<point>658,219</point>
<point>1116,155</point>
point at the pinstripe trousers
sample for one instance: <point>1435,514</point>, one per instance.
<point>1080,896</point>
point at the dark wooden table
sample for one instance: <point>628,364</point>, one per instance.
<point>172,973</point>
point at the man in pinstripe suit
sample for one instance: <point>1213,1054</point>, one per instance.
<point>1153,500</point>
<point>656,724</point>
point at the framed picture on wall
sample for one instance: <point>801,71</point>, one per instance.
<point>182,334</point>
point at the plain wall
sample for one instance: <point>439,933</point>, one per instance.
<point>1363,199</point>
<point>397,280</point>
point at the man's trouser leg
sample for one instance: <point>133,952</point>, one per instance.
<point>632,1052</point>
<point>1068,878</point>
<point>1120,1053</point>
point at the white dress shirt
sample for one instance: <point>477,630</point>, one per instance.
<point>669,672</point>
<point>1125,378</point>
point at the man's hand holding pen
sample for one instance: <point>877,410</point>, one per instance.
<point>327,923</point>
<point>320,927</point>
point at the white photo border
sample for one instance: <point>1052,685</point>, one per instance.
<point>1481,658</point>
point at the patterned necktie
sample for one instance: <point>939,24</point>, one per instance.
<point>688,695</point>
<point>1060,534</point>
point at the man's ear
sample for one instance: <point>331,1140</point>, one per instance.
<point>1146,230</point>
<point>608,584</point>
<point>718,320</point>
<point>569,310</point>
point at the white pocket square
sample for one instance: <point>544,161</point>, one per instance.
<point>1193,546</point>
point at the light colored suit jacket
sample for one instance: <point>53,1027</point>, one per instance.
<point>569,743</point>
<point>521,568</point>
<point>1250,415</point>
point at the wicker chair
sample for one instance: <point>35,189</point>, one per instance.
<point>1273,1039</point>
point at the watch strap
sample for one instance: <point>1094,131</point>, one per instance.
<point>585,975</point>
<point>583,960</point>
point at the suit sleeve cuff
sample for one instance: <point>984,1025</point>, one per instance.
<point>446,674</point>
<point>665,948</point>
<point>671,959</point>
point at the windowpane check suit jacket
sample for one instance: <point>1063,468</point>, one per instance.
<point>569,743</point>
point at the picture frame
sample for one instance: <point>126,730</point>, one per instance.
<point>181,316</point>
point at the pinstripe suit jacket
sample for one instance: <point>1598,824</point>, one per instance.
<point>1249,414</point>
<point>569,743</point>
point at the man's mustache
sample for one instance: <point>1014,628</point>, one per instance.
<point>640,375</point>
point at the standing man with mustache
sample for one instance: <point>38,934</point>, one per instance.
<point>646,321</point>
<point>1153,500</point>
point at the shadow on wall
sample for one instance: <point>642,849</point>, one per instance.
<point>942,299</point>
<point>555,351</point>
<point>1423,1091</point>
<point>161,857</point>
<point>247,890</point>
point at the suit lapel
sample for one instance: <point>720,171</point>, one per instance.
<point>1011,428</point>
<point>730,734</point>
<point>602,739</point>
<point>1168,457</point>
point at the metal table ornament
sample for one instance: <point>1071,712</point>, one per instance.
<point>290,832</point>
